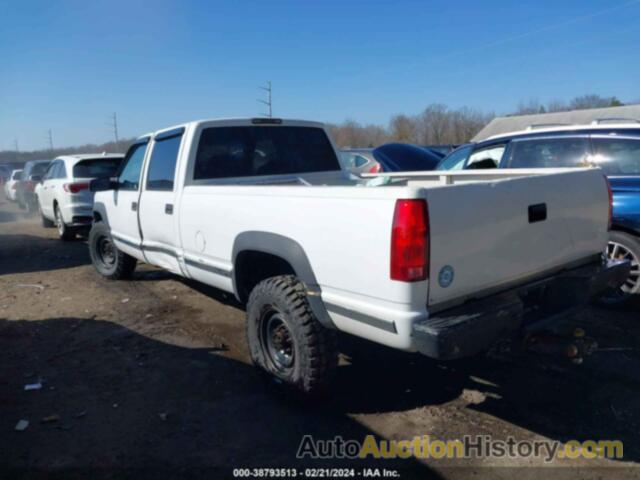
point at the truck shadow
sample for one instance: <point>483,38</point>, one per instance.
<point>548,396</point>
<point>129,404</point>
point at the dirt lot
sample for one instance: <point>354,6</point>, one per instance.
<point>151,377</point>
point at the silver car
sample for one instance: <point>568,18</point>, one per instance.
<point>360,160</point>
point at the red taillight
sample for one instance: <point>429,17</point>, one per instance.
<point>14,186</point>
<point>410,241</point>
<point>75,187</point>
<point>377,168</point>
<point>610,202</point>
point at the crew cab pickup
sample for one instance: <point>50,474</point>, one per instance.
<point>442,263</point>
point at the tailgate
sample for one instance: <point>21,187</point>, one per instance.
<point>491,235</point>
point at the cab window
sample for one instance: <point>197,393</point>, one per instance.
<point>162,165</point>
<point>129,178</point>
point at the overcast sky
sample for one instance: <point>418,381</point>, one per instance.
<point>67,65</point>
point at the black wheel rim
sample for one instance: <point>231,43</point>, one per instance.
<point>105,251</point>
<point>277,340</point>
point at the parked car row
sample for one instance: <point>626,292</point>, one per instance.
<point>390,157</point>
<point>31,173</point>
<point>59,189</point>
<point>613,147</point>
<point>270,211</point>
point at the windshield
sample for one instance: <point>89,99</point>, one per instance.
<point>455,160</point>
<point>95,168</point>
<point>39,168</point>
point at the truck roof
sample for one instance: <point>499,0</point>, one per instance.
<point>238,122</point>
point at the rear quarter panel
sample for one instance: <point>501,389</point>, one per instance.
<point>344,231</point>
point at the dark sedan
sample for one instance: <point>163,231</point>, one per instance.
<point>402,157</point>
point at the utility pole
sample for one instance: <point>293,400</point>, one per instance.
<point>15,144</point>
<point>50,137</point>
<point>114,126</point>
<point>267,102</point>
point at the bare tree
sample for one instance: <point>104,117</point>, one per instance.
<point>584,102</point>
<point>557,106</point>
<point>434,123</point>
<point>403,128</point>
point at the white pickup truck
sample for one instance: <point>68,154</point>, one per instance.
<point>440,263</point>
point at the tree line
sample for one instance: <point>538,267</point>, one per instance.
<point>436,124</point>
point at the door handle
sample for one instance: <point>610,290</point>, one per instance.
<point>537,213</point>
<point>168,209</point>
<point>134,206</point>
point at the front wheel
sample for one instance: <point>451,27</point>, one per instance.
<point>285,338</point>
<point>623,246</point>
<point>105,256</point>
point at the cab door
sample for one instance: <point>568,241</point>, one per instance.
<point>158,212</point>
<point>123,202</point>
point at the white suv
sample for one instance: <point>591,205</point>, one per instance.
<point>63,194</point>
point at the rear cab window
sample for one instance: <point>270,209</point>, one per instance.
<point>96,167</point>
<point>249,151</point>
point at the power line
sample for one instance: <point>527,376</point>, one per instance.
<point>267,102</point>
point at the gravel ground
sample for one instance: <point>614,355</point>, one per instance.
<point>152,378</point>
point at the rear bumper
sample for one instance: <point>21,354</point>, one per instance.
<point>78,214</point>
<point>473,327</point>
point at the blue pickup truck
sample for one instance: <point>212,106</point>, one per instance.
<point>611,144</point>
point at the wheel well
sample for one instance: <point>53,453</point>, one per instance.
<point>618,228</point>
<point>251,267</point>
<point>97,217</point>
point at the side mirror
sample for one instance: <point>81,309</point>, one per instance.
<point>35,178</point>
<point>103,184</point>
